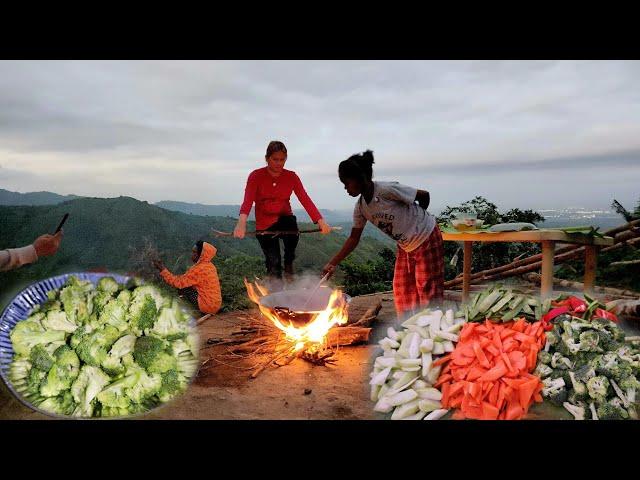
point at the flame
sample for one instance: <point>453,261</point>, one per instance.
<point>313,334</point>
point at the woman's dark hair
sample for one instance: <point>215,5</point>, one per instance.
<point>198,246</point>
<point>275,146</point>
<point>357,167</point>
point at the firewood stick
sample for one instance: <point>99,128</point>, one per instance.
<point>348,335</point>
<point>368,316</point>
<point>628,262</point>
<point>274,358</point>
<point>203,319</point>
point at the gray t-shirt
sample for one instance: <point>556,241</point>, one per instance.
<point>394,211</point>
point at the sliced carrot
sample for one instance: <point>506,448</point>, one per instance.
<point>514,411</point>
<point>443,378</point>
<point>526,392</point>
<point>480,355</point>
<point>517,359</point>
<point>537,397</point>
<point>493,394</point>
<point>493,350</point>
<point>505,357</point>
<point>489,411</point>
<point>475,373</point>
<point>446,387</point>
<point>506,333</point>
<point>463,361</point>
<point>495,373</point>
<point>441,360</point>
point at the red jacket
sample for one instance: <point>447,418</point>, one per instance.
<point>203,276</point>
<point>271,196</point>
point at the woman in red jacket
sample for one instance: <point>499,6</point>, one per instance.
<point>270,188</point>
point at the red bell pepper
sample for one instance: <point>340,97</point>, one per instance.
<point>601,313</point>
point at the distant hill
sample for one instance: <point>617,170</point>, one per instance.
<point>113,233</point>
<point>332,216</point>
<point>33,198</point>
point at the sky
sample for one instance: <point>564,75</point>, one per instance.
<point>527,134</point>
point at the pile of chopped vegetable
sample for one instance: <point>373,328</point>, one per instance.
<point>488,375</point>
<point>403,377</point>
<point>503,304</point>
<point>103,351</point>
<point>590,370</point>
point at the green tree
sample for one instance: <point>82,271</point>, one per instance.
<point>359,278</point>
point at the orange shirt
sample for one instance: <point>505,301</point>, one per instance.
<point>203,277</point>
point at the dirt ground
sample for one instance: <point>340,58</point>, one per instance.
<point>296,391</point>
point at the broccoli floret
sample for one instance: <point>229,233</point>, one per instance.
<point>584,373</point>
<point>141,292</point>
<point>543,370</point>
<point>560,361</point>
<point>114,394</point>
<point>86,387</point>
<point>544,357</point>
<point>73,298</point>
<point>146,386</point>
<point>170,322</point>
<point>552,337</point>
<point>57,320</point>
<point>114,412</point>
<point>120,348</point>
<point>19,371</point>
<point>598,387</point>
<point>577,411</point>
<point>99,301</point>
<point>606,340</point>
<point>142,313</point>
<point>589,341</point>
<point>82,332</point>
<point>551,385</point>
<point>40,358</point>
<point>164,362</point>
<point>146,349</point>
<point>62,404</point>
<point>108,284</point>
<point>558,397</point>
<point>27,334</point>
<point>62,374</point>
<point>630,385</point>
<point>579,388</point>
<point>612,410</point>
<point>171,385</point>
<point>584,358</point>
<point>114,314</point>
<point>612,366</point>
<point>125,298</point>
<point>93,348</point>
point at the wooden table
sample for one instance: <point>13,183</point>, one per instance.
<point>548,239</point>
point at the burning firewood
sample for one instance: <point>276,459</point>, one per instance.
<point>282,342</point>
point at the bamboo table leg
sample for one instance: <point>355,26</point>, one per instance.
<point>548,248</point>
<point>590,262</point>
<point>466,270</point>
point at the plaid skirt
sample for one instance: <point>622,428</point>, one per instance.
<point>418,278</point>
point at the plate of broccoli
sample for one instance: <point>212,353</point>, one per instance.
<point>87,345</point>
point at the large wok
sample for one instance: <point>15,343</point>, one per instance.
<point>290,304</point>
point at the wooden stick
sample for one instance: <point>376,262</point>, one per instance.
<point>348,335</point>
<point>203,319</point>
<point>536,278</point>
<point>274,358</point>
<point>218,233</point>
<point>628,262</point>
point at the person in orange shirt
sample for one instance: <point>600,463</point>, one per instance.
<point>200,284</point>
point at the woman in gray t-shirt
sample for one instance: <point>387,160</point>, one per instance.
<point>418,277</point>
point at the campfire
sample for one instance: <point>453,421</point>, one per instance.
<point>291,325</point>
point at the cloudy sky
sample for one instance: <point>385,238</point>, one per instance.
<point>528,134</point>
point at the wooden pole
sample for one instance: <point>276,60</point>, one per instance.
<point>466,268</point>
<point>590,263</point>
<point>547,269</point>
